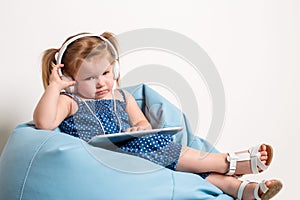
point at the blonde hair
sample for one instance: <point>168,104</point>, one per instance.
<point>76,52</point>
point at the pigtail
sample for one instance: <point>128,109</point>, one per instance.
<point>113,40</point>
<point>48,62</point>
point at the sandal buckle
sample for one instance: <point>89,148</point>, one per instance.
<point>232,158</point>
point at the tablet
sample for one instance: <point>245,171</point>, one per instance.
<point>117,138</point>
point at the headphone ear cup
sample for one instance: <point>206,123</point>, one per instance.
<point>71,89</point>
<point>116,70</point>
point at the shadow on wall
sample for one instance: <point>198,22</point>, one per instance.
<point>5,131</point>
<point>12,114</point>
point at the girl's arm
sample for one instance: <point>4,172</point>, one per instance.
<point>136,116</point>
<point>53,108</point>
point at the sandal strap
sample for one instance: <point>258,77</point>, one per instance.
<point>256,192</point>
<point>233,158</point>
<point>256,163</point>
<point>253,155</point>
<point>262,186</point>
<point>241,189</point>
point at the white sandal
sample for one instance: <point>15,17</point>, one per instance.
<point>268,192</point>
<point>253,155</point>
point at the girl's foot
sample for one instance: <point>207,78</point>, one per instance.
<point>255,160</point>
<point>264,190</point>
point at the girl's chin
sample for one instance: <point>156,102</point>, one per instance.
<point>95,96</point>
<point>87,96</point>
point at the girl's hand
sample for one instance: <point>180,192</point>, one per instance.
<point>135,128</point>
<point>56,80</point>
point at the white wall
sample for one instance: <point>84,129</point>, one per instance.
<point>254,45</point>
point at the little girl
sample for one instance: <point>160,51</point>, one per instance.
<point>80,99</point>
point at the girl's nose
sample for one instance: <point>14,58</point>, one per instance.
<point>100,82</point>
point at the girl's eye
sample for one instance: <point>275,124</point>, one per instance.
<point>89,78</point>
<point>106,72</point>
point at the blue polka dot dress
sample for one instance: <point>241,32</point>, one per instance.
<point>157,148</point>
<point>84,123</point>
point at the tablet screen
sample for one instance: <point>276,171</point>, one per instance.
<point>115,138</point>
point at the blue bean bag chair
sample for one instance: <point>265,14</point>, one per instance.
<point>42,164</point>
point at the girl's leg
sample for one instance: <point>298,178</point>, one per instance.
<point>161,150</point>
<point>227,184</point>
<point>195,161</point>
<point>230,185</point>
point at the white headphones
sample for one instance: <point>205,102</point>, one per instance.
<point>116,68</point>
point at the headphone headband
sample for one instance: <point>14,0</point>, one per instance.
<point>65,46</point>
<point>62,50</point>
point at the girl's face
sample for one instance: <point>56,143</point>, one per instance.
<point>95,78</point>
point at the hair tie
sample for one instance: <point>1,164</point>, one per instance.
<point>58,50</point>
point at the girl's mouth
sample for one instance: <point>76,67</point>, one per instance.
<point>101,92</point>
